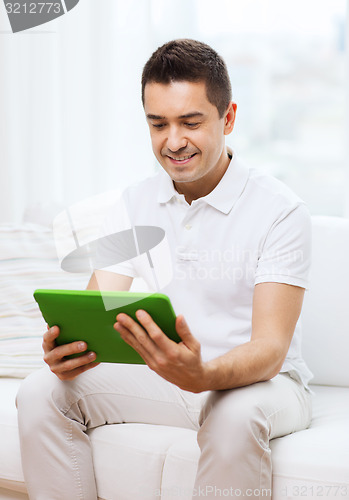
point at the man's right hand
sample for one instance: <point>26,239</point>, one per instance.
<point>55,356</point>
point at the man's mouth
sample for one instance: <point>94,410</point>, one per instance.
<point>181,159</point>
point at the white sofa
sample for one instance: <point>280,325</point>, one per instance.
<point>135,461</point>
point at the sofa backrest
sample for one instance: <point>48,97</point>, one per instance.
<point>325,316</point>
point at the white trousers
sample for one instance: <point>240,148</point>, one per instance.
<point>234,427</point>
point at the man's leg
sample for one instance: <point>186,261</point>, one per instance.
<point>54,415</point>
<point>236,426</point>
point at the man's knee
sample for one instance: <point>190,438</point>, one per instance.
<point>38,390</point>
<point>231,421</point>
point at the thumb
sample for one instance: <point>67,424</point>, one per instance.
<point>185,334</point>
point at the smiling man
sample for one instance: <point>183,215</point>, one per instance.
<point>240,249</point>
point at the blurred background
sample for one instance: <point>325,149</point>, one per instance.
<point>71,119</point>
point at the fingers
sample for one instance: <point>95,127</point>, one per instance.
<point>74,373</point>
<point>67,369</point>
<point>151,336</point>
<point>57,353</point>
<point>49,339</point>
<point>136,338</point>
<point>154,332</point>
<point>159,352</point>
<point>56,356</point>
<point>140,338</point>
<point>185,334</point>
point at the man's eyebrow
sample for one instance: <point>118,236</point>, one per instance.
<point>154,117</point>
<point>193,114</point>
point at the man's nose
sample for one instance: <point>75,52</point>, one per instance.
<point>176,140</point>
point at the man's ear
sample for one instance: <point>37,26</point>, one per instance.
<point>229,118</point>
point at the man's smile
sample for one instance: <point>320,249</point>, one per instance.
<point>181,159</point>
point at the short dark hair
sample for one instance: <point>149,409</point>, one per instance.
<point>192,61</point>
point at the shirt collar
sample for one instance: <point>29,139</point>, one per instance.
<point>225,194</point>
<point>166,188</point>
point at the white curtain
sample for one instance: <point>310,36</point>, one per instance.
<point>71,119</point>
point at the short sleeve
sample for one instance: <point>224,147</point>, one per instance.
<point>286,253</point>
<point>116,248</point>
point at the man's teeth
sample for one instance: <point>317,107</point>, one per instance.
<point>181,158</point>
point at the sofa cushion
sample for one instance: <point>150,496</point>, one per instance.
<point>11,475</point>
<point>135,457</point>
<point>314,463</point>
<point>28,260</point>
<point>325,315</point>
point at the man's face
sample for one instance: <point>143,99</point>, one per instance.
<point>187,133</point>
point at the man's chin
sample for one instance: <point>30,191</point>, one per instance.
<point>181,174</point>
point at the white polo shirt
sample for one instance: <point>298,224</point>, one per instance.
<point>250,229</point>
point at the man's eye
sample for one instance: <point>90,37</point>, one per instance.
<point>158,125</point>
<point>192,125</point>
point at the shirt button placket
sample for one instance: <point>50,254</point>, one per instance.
<point>189,243</point>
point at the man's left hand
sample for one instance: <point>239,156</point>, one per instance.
<point>179,363</point>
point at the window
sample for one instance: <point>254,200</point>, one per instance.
<point>287,63</point>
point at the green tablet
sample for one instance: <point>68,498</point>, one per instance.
<point>89,315</point>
